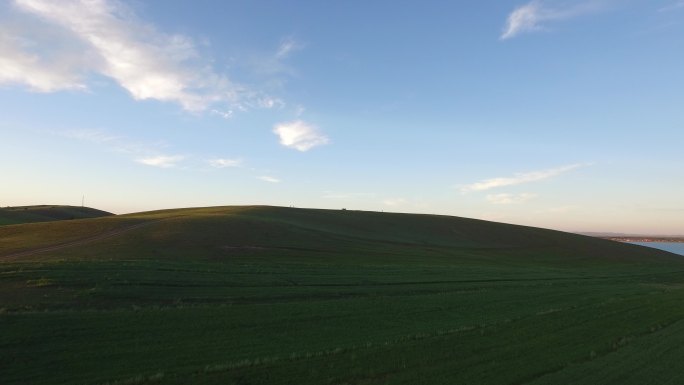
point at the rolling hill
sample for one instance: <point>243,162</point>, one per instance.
<point>273,295</point>
<point>45,213</point>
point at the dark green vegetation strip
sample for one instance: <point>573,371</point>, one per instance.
<point>283,296</point>
<point>44,213</point>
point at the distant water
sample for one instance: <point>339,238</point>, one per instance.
<point>672,247</point>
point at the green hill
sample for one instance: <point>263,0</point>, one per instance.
<point>45,213</point>
<point>272,295</point>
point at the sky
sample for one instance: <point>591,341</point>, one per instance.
<point>559,114</point>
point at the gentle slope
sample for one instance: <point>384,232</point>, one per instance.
<point>46,213</point>
<point>271,295</point>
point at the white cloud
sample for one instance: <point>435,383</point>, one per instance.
<point>18,65</point>
<point>509,199</point>
<point>224,163</point>
<point>300,135</point>
<point>163,161</point>
<point>518,178</point>
<point>268,179</point>
<point>523,18</point>
<point>149,64</point>
<point>531,16</point>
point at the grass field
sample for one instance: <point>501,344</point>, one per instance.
<point>269,295</point>
<point>45,213</point>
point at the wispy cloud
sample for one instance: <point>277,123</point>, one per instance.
<point>269,102</point>
<point>113,142</point>
<point>394,202</point>
<point>300,135</point>
<point>274,63</point>
<point>406,204</point>
<point>268,179</point>
<point>509,199</point>
<point>162,161</point>
<point>673,7</point>
<point>106,37</point>
<point>224,163</point>
<point>532,16</point>
<point>224,114</point>
<point>92,136</point>
<point>151,154</point>
<point>520,178</point>
<point>287,46</point>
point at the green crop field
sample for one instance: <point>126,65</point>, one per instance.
<point>45,213</point>
<point>270,295</point>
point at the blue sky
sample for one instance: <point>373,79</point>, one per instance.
<point>559,114</point>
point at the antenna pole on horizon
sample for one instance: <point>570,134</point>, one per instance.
<point>83,201</point>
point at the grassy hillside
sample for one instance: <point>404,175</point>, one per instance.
<point>45,213</point>
<point>269,295</point>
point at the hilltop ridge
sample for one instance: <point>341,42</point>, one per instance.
<point>45,213</point>
<point>215,232</point>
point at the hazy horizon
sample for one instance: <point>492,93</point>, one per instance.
<point>541,113</point>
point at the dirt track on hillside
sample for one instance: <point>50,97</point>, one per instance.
<point>77,242</point>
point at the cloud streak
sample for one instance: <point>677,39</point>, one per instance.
<point>394,202</point>
<point>114,143</point>
<point>673,7</point>
<point>224,163</point>
<point>520,178</point>
<point>300,135</point>
<point>162,161</point>
<point>288,46</point>
<point>149,154</point>
<point>149,64</point>
<point>92,136</point>
<point>532,16</point>
<point>268,179</point>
